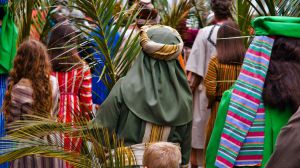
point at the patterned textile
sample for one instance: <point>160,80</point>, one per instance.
<point>134,153</point>
<point>159,50</point>
<point>2,118</point>
<point>21,99</point>
<point>21,104</point>
<point>243,134</point>
<point>219,78</point>
<point>75,100</point>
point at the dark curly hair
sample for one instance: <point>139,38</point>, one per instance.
<point>221,9</point>
<point>282,85</point>
<point>32,62</point>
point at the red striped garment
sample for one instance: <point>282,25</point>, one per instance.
<point>75,100</point>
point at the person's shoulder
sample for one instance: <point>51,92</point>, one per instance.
<point>207,28</point>
<point>204,32</point>
<point>22,91</point>
<point>24,83</point>
<point>54,82</point>
<point>214,60</point>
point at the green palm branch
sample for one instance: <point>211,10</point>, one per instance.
<point>276,7</point>
<point>23,10</point>
<point>42,136</point>
<point>172,15</point>
<point>25,136</point>
<point>119,58</point>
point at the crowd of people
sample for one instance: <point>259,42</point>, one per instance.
<point>228,105</point>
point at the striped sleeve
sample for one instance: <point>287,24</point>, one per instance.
<point>85,92</point>
<point>210,80</point>
<point>21,100</point>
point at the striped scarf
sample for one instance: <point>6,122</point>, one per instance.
<point>243,133</point>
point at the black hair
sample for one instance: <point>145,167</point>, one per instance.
<point>221,9</point>
<point>282,83</point>
<point>2,13</point>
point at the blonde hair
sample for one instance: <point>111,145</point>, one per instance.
<point>162,155</point>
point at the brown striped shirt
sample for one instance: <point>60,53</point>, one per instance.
<point>219,78</point>
<point>21,104</point>
<point>21,99</point>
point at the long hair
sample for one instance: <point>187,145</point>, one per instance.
<point>230,50</point>
<point>32,62</point>
<point>63,48</point>
<point>282,83</point>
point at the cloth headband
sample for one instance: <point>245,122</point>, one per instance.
<point>158,50</point>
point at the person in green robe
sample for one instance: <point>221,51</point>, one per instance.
<point>280,93</point>
<point>153,101</point>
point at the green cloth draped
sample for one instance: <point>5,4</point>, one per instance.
<point>157,91</point>
<point>8,42</point>
<point>277,25</point>
<point>274,121</point>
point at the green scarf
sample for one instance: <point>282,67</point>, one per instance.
<point>277,25</point>
<point>157,90</point>
<point>8,41</point>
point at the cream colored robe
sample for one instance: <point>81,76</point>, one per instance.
<point>197,63</point>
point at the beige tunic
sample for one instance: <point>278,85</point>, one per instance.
<point>197,63</point>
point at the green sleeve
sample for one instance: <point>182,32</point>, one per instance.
<point>275,120</point>
<point>108,114</point>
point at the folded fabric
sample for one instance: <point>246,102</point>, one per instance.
<point>8,41</point>
<point>246,110</point>
<point>277,25</point>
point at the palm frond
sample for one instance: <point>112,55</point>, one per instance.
<point>173,14</point>
<point>23,11</point>
<point>276,7</point>
<point>107,24</point>
<point>44,137</point>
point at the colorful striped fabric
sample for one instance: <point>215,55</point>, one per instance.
<point>75,88</point>
<point>243,134</point>
<point>3,78</point>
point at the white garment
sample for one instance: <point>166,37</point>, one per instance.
<point>197,63</point>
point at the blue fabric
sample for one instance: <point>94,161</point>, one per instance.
<point>99,90</point>
<point>3,2</point>
<point>3,79</point>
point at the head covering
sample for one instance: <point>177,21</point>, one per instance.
<point>275,25</point>
<point>8,40</point>
<point>148,14</point>
<point>243,133</point>
<point>156,89</point>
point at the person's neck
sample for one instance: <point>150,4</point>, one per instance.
<point>221,20</point>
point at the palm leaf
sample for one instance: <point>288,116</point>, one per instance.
<point>24,139</point>
<point>173,14</point>
<point>23,10</point>
<point>117,59</point>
